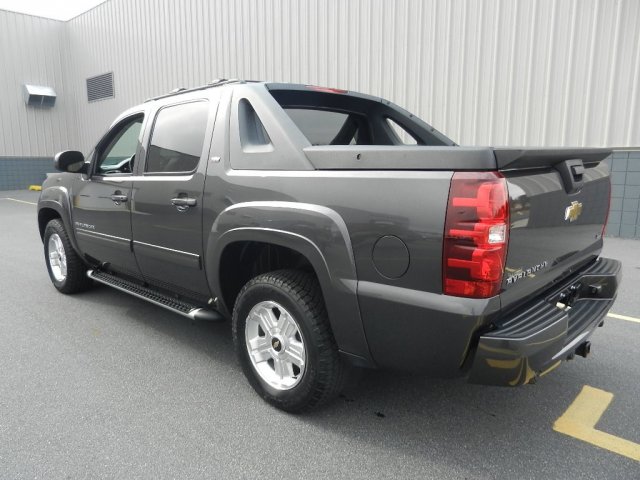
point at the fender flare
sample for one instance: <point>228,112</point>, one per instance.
<point>329,253</point>
<point>57,199</point>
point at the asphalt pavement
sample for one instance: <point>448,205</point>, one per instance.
<point>104,385</point>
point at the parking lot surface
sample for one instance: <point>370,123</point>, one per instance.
<point>103,385</point>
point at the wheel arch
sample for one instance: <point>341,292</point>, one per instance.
<point>241,260</point>
<point>45,215</point>
<point>324,247</point>
<point>54,203</point>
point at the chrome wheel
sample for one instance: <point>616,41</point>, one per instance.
<point>57,258</point>
<point>275,345</point>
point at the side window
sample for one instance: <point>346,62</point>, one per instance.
<point>177,138</point>
<point>118,155</point>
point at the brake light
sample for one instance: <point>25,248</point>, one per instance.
<point>475,235</point>
<point>326,89</point>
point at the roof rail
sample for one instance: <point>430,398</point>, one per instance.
<point>215,83</point>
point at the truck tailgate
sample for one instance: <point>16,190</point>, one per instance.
<point>559,201</point>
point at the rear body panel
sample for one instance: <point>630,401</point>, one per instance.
<point>539,335</point>
<point>369,207</point>
<point>553,232</point>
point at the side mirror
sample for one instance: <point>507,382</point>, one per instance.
<point>70,161</point>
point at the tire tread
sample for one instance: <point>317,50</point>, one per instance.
<point>304,288</point>
<point>77,280</point>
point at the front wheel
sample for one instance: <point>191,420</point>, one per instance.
<point>284,342</point>
<point>67,271</point>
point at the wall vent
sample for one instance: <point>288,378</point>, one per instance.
<point>39,96</point>
<point>100,87</point>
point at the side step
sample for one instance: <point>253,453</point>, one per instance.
<point>181,307</point>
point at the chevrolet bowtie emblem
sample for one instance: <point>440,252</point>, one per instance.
<point>573,211</point>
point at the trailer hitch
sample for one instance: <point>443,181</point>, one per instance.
<point>569,296</point>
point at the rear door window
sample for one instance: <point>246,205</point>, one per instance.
<point>178,137</point>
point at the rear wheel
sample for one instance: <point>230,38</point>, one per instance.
<point>67,271</point>
<point>284,343</point>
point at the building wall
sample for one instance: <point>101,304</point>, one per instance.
<point>485,72</point>
<point>30,52</point>
<point>500,72</point>
<point>624,216</point>
<point>18,173</point>
<point>539,72</point>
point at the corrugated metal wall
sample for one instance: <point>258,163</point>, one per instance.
<point>501,72</point>
<point>30,50</point>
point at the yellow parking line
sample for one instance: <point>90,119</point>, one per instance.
<point>19,201</point>
<point>623,317</point>
<point>583,414</point>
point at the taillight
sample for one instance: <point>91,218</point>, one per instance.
<point>475,234</point>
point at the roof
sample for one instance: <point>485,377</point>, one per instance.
<point>215,83</point>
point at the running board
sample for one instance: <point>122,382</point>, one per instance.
<point>180,307</point>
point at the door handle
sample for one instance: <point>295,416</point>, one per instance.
<point>118,198</point>
<point>183,203</point>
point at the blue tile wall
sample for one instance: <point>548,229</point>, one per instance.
<point>17,173</point>
<point>624,219</point>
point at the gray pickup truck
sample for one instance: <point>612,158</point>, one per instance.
<point>335,230</point>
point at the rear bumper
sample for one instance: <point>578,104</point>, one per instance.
<point>535,339</point>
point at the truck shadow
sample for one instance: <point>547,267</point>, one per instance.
<point>210,338</point>
<point>453,420</point>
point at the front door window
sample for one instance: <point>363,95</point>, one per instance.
<point>119,153</point>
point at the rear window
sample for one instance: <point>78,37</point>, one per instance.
<point>336,117</point>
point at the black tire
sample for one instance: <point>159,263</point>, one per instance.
<point>76,279</point>
<point>300,294</point>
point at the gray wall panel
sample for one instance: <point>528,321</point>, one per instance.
<point>30,53</point>
<point>540,72</point>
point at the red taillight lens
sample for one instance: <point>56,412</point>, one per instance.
<point>475,234</point>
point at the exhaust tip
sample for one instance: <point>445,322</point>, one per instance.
<point>584,349</point>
